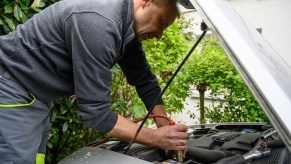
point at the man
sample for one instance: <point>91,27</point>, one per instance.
<point>69,48</point>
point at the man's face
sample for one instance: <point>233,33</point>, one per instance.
<point>150,20</point>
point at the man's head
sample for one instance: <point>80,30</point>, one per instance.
<point>152,17</point>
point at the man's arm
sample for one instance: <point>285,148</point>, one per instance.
<point>160,109</point>
<point>138,73</point>
<point>93,52</point>
<point>166,137</point>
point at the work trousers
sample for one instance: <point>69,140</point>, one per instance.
<point>24,124</point>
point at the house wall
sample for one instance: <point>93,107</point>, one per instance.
<point>191,108</point>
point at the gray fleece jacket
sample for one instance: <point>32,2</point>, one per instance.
<point>70,47</point>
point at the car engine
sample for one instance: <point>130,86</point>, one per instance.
<point>253,143</point>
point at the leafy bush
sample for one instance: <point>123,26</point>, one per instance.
<point>67,132</point>
<point>14,12</point>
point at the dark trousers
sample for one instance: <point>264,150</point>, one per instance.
<point>24,123</point>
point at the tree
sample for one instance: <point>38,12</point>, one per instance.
<point>165,56</point>
<point>210,69</point>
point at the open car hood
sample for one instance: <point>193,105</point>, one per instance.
<point>265,72</point>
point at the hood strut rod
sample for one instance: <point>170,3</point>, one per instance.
<point>164,89</point>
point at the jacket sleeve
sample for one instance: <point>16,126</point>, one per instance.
<point>93,45</point>
<point>138,73</point>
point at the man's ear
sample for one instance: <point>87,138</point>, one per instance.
<point>146,3</point>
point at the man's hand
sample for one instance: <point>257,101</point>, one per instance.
<point>166,137</point>
<point>170,137</point>
<point>160,122</point>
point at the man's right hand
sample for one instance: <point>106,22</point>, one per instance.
<point>170,137</point>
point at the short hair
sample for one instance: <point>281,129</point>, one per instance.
<point>172,3</point>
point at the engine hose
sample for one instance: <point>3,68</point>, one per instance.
<point>237,159</point>
<point>206,155</point>
<point>275,144</point>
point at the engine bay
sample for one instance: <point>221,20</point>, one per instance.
<point>253,143</point>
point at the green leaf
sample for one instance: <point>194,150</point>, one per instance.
<point>24,17</point>
<point>37,9</point>
<point>64,110</point>
<point>54,115</point>
<point>61,117</point>
<point>75,120</point>
<point>1,22</point>
<point>16,13</point>
<point>27,3</point>
<point>49,145</point>
<point>10,23</point>
<point>6,29</point>
<point>22,5</point>
<point>65,127</point>
<point>8,9</point>
<point>138,110</point>
<point>42,4</point>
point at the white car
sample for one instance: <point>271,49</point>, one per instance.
<point>267,75</point>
